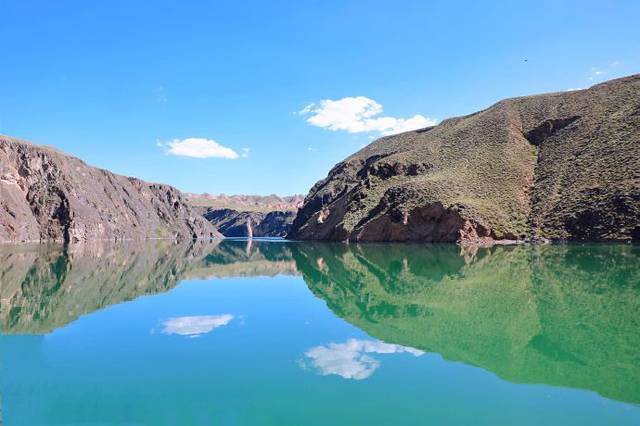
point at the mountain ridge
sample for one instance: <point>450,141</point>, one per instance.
<point>48,195</point>
<point>558,166</point>
<point>246,203</point>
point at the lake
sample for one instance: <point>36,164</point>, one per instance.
<point>284,333</point>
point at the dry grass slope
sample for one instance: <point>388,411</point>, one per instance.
<point>559,166</point>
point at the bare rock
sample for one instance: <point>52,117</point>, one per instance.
<point>46,195</point>
<point>233,223</point>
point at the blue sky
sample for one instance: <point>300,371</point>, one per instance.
<point>141,87</point>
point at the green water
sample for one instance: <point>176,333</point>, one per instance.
<point>277,333</point>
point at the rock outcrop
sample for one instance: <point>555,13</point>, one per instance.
<point>46,195</point>
<point>559,166</point>
<point>233,223</point>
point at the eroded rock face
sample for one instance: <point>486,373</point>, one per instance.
<point>560,166</point>
<point>233,223</point>
<point>275,224</point>
<point>46,195</point>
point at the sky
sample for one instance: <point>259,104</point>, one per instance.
<point>262,97</point>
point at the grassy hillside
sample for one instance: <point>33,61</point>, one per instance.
<point>559,166</point>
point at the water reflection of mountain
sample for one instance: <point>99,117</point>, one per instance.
<point>46,287</point>
<point>558,315</point>
<point>241,258</point>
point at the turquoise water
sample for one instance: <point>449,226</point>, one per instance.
<point>276,333</point>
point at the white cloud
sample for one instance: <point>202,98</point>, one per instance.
<point>199,148</point>
<point>350,360</point>
<point>245,152</point>
<point>573,89</point>
<point>360,114</point>
<point>195,326</point>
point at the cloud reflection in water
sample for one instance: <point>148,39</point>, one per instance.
<point>195,326</point>
<point>350,359</point>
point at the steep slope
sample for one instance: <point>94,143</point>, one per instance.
<point>558,166</point>
<point>233,223</point>
<point>46,195</point>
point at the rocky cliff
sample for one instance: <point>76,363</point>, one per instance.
<point>46,195</point>
<point>559,166</point>
<point>233,223</point>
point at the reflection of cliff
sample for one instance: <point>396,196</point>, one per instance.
<point>45,287</point>
<point>245,259</point>
<point>558,315</point>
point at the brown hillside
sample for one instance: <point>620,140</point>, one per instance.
<point>559,166</point>
<point>46,195</point>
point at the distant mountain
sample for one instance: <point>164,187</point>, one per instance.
<point>560,166</point>
<point>259,203</point>
<point>248,215</point>
<point>46,195</point>
<point>233,223</point>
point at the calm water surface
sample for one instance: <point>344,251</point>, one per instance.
<point>275,333</point>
